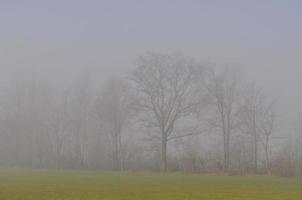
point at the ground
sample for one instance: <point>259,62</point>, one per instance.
<point>76,185</point>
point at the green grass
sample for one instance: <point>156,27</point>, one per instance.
<point>75,185</point>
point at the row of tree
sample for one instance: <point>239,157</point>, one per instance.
<point>212,119</point>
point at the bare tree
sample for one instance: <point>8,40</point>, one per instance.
<point>113,109</point>
<point>266,128</point>
<point>25,113</point>
<point>80,115</point>
<point>298,142</point>
<point>223,87</point>
<point>166,86</point>
<point>250,108</point>
<point>257,116</point>
<point>59,126</point>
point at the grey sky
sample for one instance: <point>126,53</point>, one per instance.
<point>64,35</point>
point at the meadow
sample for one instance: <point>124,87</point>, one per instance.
<point>84,185</point>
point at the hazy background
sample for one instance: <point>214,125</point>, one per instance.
<point>62,37</point>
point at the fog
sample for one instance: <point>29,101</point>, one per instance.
<point>49,48</point>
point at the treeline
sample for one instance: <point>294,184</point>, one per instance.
<point>169,113</point>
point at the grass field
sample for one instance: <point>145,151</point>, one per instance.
<point>74,185</point>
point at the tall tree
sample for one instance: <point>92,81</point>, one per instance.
<point>167,89</point>
<point>113,110</point>
<point>250,108</point>
<point>81,103</point>
<point>266,128</point>
<point>257,116</point>
<point>223,88</point>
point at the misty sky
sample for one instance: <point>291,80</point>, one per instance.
<point>63,36</point>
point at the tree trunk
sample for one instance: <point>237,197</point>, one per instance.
<point>267,155</point>
<point>226,145</point>
<point>163,156</point>
<point>255,165</point>
<point>116,156</point>
<point>120,153</point>
<point>225,151</point>
<point>228,152</point>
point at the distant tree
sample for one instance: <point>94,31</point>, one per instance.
<point>59,118</point>
<point>266,128</point>
<point>25,113</point>
<point>166,86</point>
<point>80,112</point>
<point>250,108</point>
<point>223,88</point>
<point>297,144</point>
<point>257,116</point>
<point>114,110</point>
